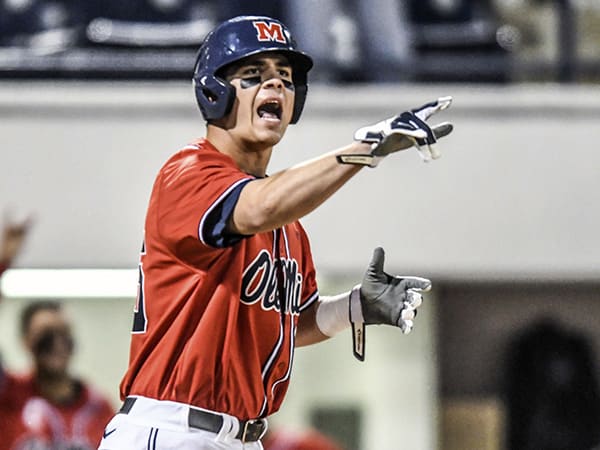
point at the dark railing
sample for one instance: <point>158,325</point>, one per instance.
<point>471,48</point>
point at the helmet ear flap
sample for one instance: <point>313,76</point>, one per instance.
<point>301,88</point>
<point>299,100</point>
<point>215,96</point>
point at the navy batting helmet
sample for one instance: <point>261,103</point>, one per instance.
<point>233,40</point>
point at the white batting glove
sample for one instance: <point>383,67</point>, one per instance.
<point>400,132</point>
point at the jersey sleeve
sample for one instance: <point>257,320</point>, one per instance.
<point>198,191</point>
<point>213,225</point>
<point>310,291</point>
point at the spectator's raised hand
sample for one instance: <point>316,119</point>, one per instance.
<point>13,237</point>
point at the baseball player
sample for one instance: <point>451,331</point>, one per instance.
<point>227,284</point>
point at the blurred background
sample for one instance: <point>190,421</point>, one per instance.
<point>94,96</point>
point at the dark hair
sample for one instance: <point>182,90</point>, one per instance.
<point>33,308</point>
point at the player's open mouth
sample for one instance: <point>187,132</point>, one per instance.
<point>270,110</point>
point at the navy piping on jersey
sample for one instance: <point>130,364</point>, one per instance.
<point>269,365</point>
<point>292,332</point>
<point>290,318</point>
<point>315,295</point>
<point>212,230</point>
<point>276,349</point>
<point>291,357</point>
<point>274,353</point>
<point>285,240</point>
<point>313,298</point>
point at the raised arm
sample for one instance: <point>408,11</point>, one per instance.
<point>13,237</point>
<point>268,203</point>
<point>290,194</point>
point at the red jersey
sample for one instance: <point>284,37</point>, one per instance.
<point>12,400</point>
<point>215,320</point>
<point>38,423</point>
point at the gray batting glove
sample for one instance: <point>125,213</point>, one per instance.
<point>406,130</point>
<point>387,299</point>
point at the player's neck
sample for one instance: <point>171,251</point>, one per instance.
<point>252,158</point>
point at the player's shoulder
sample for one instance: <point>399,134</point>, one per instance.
<point>189,153</point>
<point>197,154</point>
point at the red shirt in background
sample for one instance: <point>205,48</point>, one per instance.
<point>31,421</point>
<point>308,440</point>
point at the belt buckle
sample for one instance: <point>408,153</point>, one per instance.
<point>248,438</point>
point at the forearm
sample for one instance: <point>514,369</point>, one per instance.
<point>379,299</point>
<point>308,332</point>
<point>326,318</point>
<point>292,193</point>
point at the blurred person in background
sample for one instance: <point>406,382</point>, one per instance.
<point>232,8</point>
<point>358,34</point>
<point>552,391</point>
<point>59,411</point>
<point>14,234</point>
<point>311,439</point>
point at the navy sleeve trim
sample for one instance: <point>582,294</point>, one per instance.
<point>212,230</point>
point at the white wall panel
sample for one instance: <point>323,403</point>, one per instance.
<point>515,193</point>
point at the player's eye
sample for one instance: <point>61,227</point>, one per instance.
<point>250,71</point>
<point>249,76</point>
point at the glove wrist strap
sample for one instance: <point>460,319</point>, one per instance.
<point>335,313</point>
<point>359,159</point>
<point>357,322</point>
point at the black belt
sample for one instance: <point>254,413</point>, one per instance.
<point>249,431</point>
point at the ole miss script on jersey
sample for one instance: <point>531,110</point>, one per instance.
<point>216,313</point>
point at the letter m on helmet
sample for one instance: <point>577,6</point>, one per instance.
<point>269,31</point>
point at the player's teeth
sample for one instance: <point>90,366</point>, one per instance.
<point>269,110</point>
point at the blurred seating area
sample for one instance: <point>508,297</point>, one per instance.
<point>351,41</point>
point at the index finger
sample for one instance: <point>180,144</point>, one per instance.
<point>428,109</point>
<point>422,284</point>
